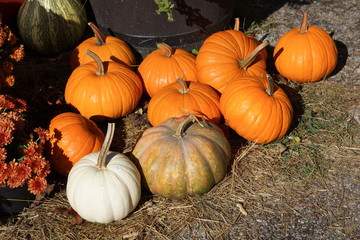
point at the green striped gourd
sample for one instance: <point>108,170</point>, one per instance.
<point>51,26</point>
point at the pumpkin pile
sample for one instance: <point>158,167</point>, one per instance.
<point>185,152</point>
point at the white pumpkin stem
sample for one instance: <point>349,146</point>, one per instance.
<point>244,64</point>
<point>101,162</point>
<point>304,24</point>
<point>237,24</point>
<point>169,51</point>
<point>100,40</point>
<point>99,63</point>
<point>183,87</point>
<point>271,87</point>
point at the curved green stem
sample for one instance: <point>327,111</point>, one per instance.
<point>101,162</point>
<point>180,131</point>
<point>244,64</point>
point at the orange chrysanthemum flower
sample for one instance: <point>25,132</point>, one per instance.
<point>3,167</point>
<point>2,154</point>
<point>12,180</point>
<point>26,164</point>
<point>37,184</point>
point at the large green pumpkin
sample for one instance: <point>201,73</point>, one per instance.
<point>182,157</point>
<point>51,26</point>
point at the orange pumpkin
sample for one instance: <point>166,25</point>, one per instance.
<point>103,91</point>
<point>164,65</point>
<point>228,54</point>
<point>108,48</point>
<point>182,97</point>
<point>256,108</point>
<point>305,54</point>
<point>71,137</point>
<point>263,52</point>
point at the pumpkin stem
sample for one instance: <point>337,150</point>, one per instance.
<point>237,24</point>
<point>169,51</point>
<point>271,87</point>
<point>99,63</point>
<point>101,162</point>
<point>185,121</point>
<point>183,87</point>
<point>244,64</point>
<point>99,37</point>
<point>304,24</point>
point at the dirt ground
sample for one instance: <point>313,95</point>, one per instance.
<point>263,196</point>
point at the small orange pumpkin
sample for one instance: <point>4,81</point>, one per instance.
<point>228,54</point>
<point>108,48</point>
<point>164,65</point>
<point>182,97</point>
<point>256,108</point>
<point>305,54</point>
<point>71,137</point>
<point>103,91</point>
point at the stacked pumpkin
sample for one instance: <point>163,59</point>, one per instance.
<point>252,105</point>
<point>102,87</point>
<point>185,144</point>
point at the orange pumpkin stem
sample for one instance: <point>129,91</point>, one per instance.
<point>304,24</point>
<point>100,40</point>
<point>183,87</point>
<point>101,162</point>
<point>169,51</point>
<point>271,87</point>
<point>99,63</point>
<point>244,64</point>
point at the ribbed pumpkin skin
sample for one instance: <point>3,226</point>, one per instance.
<point>51,27</point>
<point>252,113</point>
<point>114,49</point>
<point>217,62</point>
<point>104,195</point>
<point>201,100</point>
<point>72,137</point>
<point>305,57</point>
<point>175,167</point>
<point>110,96</point>
<point>158,70</point>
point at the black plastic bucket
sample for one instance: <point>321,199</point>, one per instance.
<point>137,23</point>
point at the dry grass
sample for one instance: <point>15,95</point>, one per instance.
<point>265,183</point>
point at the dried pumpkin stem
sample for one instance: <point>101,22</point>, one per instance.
<point>244,64</point>
<point>304,24</point>
<point>99,63</point>
<point>271,87</point>
<point>183,87</point>
<point>99,37</point>
<point>237,24</point>
<point>181,128</point>
<point>101,162</point>
<point>169,51</point>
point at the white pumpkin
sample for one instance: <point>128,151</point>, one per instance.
<point>104,186</point>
